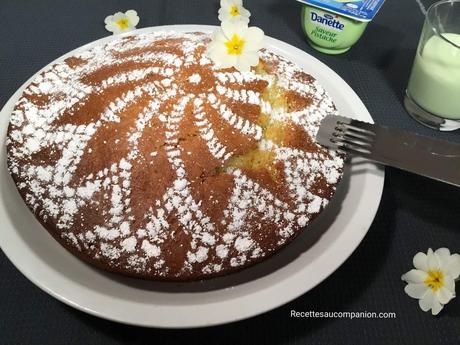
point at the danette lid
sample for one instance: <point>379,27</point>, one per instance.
<point>361,10</point>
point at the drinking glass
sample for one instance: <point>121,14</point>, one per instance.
<point>433,93</point>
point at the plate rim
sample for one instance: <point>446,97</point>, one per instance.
<point>378,179</point>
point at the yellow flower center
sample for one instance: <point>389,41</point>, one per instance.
<point>435,280</point>
<point>235,45</point>
<point>123,23</point>
<point>234,11</point>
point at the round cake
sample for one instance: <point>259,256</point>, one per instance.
<point>142,158</point>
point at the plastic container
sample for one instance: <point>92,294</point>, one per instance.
<point>334,26</point>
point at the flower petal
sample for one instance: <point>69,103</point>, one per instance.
<point>239,19</point>
<point>444,295</point>
<point>132,17</point>
<point>254,39</point>
<point>119,15</point>
<point>453,268</point>
<point>218,37</point>
<point>112,27</point>
<point>223,15</point>
<point>417,290</point>
<point>427,301</point>
<point>228,61</point>
<point>227,28</point>
<point>108,19</point>
<point>245,13</point>
<point>252,58</point>
<point>131,13</point>
<point>225,3</point>
<point>436,307</point>
<point>433,261</point>
<point>420,261</point>
<point>217,53</point>
<point>239,28</point>
<point>449,283</point>
<point>414,276</point>
<point>242,65</point>
<point>443,255</point>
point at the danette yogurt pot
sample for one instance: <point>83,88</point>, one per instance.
<point>333,26</point>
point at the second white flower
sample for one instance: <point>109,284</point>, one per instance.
<point>233,11</point>
<point>432,281</point>
<point>236,45</point>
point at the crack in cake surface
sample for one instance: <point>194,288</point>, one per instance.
<point>143,159</point>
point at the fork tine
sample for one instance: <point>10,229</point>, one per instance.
<point>364,135</point>
<point>351,145</point>
<point>337,133</point>
<point>358,141</point>
<point>360,153</point>
<point>363,126</point>
<point>355,136</point>
<point>358,127</point>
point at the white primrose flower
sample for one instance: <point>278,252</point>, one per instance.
<point>121,22</point>
<point>233,11</point>
<point>432,281</point>
<point>236,45</point>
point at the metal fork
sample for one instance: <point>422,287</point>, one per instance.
<point>433,158</point>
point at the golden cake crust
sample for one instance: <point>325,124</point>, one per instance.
<point>141,158</point>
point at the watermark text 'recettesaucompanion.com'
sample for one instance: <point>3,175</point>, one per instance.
<point>343,314</point>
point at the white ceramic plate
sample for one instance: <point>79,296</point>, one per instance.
<point>313,256</point>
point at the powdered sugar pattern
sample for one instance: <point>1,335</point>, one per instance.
<point>58,193</point>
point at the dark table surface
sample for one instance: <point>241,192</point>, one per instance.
<point>415,213</point>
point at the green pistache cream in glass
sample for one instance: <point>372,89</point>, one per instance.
<point>333,26</point>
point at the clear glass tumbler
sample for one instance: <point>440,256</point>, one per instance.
<point>433,93</point>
